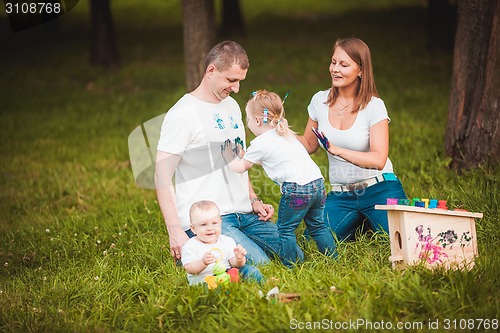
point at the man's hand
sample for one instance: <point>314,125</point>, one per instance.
<point>264,211</point>
<point>177,238</point>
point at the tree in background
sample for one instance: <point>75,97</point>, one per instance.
<point>473,130</point>
<point>441,22</point>
<point>198,34</point>
<point>103,50</point>
<point>199,37</point>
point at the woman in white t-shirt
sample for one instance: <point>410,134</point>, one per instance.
<point>288,164</point>
<point>350,121</point>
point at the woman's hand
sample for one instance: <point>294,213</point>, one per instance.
<point>321,137</point>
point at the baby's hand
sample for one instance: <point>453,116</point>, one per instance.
<point>240,252</point>
<point>208,258</point>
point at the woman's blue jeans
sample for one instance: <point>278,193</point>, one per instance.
<point>346,211</point>
<point>302,202</point>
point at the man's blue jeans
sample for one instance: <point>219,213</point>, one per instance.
<point>346,211</point>
<point>259,238</point>
<point>251,273</point>
<point>302,202</point>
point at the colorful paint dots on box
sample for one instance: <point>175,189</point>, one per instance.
<point>418,202</point>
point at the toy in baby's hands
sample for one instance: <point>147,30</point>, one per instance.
<point>234,274</point>
<point>221,277</point>
<point>220,273</point>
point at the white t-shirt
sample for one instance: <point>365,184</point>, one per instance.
<point>195,130</point>
<point>283,158</point>
<point>194,250</point>
<point>355,138</point>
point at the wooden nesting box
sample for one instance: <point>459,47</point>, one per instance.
<point>432,237</point>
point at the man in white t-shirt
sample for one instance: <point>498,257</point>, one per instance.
<point>191,136</point>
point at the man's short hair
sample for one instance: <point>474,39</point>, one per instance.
<point>225,54</point>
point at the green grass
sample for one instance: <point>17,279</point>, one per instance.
<point>83,249</point>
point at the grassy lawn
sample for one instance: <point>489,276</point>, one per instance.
<point>83,249</point>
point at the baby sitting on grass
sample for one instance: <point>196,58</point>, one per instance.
<point>208,249</point>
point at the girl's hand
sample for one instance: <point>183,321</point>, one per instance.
<point>227,152</point>
<point>238,150</point>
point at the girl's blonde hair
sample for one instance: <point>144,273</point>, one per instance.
<point>359,52</point>
<point>268,106</point>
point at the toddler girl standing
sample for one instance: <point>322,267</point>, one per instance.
<point>287,163</point>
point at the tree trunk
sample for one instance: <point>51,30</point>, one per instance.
<point>199,37</point>
<point>473,131</point>
<point>232,19</point>
<point>103,50</point>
